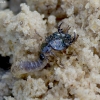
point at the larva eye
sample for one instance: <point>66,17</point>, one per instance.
<point>42,57</point>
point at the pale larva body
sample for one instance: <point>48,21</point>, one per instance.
<point>28,67</point>
<point>32,65</point>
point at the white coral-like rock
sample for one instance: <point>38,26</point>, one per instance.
<point>29,89</point>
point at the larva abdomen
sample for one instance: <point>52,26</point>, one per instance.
<point>32,66</point>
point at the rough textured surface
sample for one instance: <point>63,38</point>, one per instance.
<point>73,74</point>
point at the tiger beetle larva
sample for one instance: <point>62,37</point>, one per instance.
<point>56,41</point>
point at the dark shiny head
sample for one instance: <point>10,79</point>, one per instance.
<point>42,56</point>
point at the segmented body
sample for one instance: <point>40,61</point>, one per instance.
<point>57,41</point>
<point>32,65</point>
